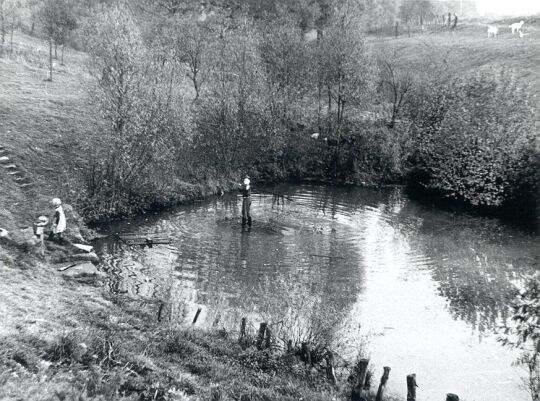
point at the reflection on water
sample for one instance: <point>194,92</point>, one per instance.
<point>427,287</point>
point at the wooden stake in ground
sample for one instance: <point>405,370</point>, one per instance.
<point>196,315</point>
<point>361,372</point>
<point>50,59</point>
<point>382,385</point>
<point>242,330</point>
<point>330,371</point>
<point>260,336</point>
<point>411,387</point>
<point>289,347</point>
<point>268,340</point>
<point>306,353</point>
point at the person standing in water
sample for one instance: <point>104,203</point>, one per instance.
<point>59,220</point>
<point>245,189</point>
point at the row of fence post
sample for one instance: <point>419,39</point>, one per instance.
<point>362,384</point>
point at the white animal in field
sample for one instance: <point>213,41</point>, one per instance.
<point>492,31</point>
<point>517,26</point>
<point>315,135</point>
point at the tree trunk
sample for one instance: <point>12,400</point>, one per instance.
<point>11,40</point>
<point>2,24</point>
<point>55,53</point>
<point>196,86</point>
<point>50,59</point>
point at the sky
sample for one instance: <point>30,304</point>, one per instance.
<point>508,7</point>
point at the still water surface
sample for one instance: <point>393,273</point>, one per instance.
<point>422,290</point>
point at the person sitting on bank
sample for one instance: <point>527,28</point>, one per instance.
<point>59,221</point>
<point>245,189</point>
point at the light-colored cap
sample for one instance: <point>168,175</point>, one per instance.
<point>43,219</point>
<point>56,201</point>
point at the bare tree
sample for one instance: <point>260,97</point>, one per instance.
<point>57,20</point>
<point>11,16</point>
<point>193,47</point>
<point>135,107</point>
<point>396,86</point>
<point>346,69</point>
<point>2,22</point>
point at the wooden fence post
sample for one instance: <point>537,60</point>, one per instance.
<point>289,347</point>
<point>382,385</point>
<point>268,340</point>
<point>411,387</point>
<point>161,305</point>
<point>367,382</point>
<point>306,353</point>
<point>361,372</point>
<point>242,330</point>
<point>451,397</point>
<point>197,315</point>
<point>330,371</point>
<point>260,337</point>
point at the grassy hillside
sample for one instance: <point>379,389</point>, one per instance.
<point>40,122</point>
<point>468,49</point>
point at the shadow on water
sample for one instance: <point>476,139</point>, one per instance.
<point>346,263</point>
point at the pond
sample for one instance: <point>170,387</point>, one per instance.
<point>419,289</point>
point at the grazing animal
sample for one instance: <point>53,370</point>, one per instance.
<point>492,31</point>
<point>315,135</point>
<point>516,27</point>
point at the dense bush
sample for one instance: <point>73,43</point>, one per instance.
<point>475,140</point>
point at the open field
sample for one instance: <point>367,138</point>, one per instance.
<point>468,49</point>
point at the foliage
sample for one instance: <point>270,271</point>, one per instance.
<point>380,12</point>
<point>474,140</point>
<point>525,332</point>
<point>57,19</point>
<point>137,109</point>
<point>10,17</point>
<point>415,10</point>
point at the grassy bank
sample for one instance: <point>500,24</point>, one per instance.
<point>64,340</point>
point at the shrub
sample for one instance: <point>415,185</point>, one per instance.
<point>525,332</point>
<point>475,140</point>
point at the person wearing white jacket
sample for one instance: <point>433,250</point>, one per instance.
<point>59,220</point>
